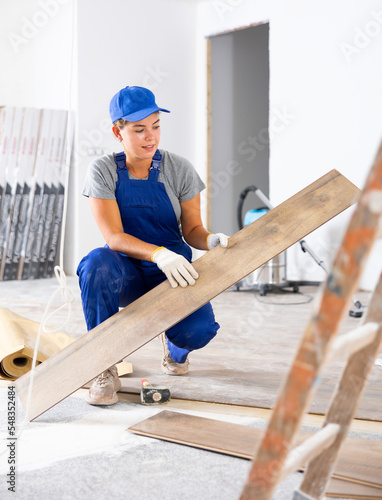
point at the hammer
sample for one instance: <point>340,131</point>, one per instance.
<point>151,395</point>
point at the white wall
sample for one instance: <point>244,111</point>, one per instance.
<point>35,53</point>
<point>331,100</point>
<point>127,42</point>
<point>332,97</point>
<point>335,98</point>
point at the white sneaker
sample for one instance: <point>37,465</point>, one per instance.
<point>169,366</point>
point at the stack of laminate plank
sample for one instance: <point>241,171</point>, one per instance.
<point>32,174</point>
<point>357,473</point>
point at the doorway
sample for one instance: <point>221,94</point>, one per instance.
<point>238,123</point>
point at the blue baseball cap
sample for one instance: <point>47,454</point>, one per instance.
<point>133,104</point>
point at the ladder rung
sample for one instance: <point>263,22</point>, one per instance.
<point>309,449</point>
<point>349,343</point>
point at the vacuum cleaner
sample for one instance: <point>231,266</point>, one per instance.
<point>273,274</point>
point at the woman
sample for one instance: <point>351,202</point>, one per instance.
<point>146,203</point>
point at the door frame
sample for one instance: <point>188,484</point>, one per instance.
<point>209,116</point>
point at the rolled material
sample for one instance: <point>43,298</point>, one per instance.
<point>17,341</point>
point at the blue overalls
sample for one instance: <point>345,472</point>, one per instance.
<point>109,279</point>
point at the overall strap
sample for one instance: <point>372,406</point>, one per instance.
<point>155,166</point>
<point>120,160</point>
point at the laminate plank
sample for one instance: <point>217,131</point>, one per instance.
<point>359,459</point>
<point>344,489</point>
<point>144,319</point>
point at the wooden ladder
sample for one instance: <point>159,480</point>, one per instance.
<point>275,458</point>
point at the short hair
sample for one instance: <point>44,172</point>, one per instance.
<point>120,123</point>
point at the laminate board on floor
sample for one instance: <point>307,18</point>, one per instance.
<point>345,489</point>
<point>359,460</point>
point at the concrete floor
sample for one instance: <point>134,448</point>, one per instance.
<point>77,451</point>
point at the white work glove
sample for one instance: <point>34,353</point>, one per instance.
<point>214,239</point>
<point>176,268</point>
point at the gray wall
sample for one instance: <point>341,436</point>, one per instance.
<point>239,122</point>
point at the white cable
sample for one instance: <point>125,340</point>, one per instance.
<point>66,292</point>
<point>69,298</point>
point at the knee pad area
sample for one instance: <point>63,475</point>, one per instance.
<point>196,330</point>
<point>106,269</point>
<point>96,268</point>
<point>107,281</point>
<point>98,260</point>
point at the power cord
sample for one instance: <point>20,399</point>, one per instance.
<point>354,313</point>
<point>308,299</point>
<point>68,296</point>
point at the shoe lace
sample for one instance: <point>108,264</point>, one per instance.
<point>103,378</point>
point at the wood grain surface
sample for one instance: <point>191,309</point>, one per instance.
<point>359,459</point>
<point>147,317</point>
<point>344,489</point>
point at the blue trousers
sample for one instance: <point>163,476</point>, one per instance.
<point>109,280</point>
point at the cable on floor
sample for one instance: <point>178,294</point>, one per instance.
<point>308,298</point>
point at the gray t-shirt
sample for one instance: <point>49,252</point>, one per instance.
<point>181,180</point>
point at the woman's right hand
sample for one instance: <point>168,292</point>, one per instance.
<point>176,268</point>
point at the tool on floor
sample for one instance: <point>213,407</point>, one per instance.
<point>274,458</point>
<point>154,395</point>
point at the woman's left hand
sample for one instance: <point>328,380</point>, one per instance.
<point>214,239</point>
